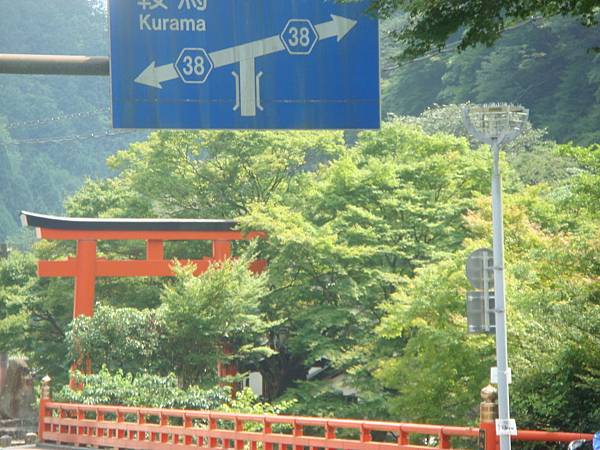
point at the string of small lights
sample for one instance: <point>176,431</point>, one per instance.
<point>59,118</point>
<point>75,137</point>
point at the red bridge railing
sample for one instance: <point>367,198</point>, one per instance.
<point>149,428</point>
<point>167,429</point>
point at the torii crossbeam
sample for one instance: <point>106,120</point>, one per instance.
<point>86,266</point>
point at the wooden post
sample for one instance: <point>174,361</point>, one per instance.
<point>85,291</point>
<point>85,281</point>
<point>44,399</point>
<point>3,370</point>
<point>221,250</point>
<point>488,413</point>
<point>155,250</point>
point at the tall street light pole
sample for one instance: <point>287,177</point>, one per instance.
<point>497,125</point>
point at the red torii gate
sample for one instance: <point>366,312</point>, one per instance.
<point>86,266</point>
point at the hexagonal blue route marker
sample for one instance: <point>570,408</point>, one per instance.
<point>299,36</point>
<point>194,65</point>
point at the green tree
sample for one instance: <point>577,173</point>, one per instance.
<point>350,232</point>
<point>16,275</point>
<point>544,64</point>
<point>113,335</point>
<point>33,315</point>
<point>143,389</point>
<point>533,157</point>
<point>54,131</point>
<point>433,367</point>
<point>583,189</point>
<point>219,174</point>
<point>431,24</point>
<point>553,328</point>
<point>214,317</point>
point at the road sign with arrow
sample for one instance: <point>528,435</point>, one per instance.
<point>293,64</point>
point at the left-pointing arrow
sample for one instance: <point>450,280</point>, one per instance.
<point>152,76</point>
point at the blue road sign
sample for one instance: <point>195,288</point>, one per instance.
<point>244,64</point>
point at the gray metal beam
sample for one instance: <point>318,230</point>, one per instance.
<point>54,65</point>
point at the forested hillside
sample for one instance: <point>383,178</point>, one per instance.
<point>54,130</point>
<point>551,66</point>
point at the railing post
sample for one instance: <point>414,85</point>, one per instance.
<point>444,440</point>
<point>239,427</point>
<point>365,434</point>
<point>44,399</point>
<point>120,422</point>
<point>402,438</point>
<point>267,430</point>
<point>330,434</point>
<point>488,413</point>
<point>187,424</point>
<point>164,422</point>
<point>141,435</point>
<point>212,426</point>
<point>297,431</point>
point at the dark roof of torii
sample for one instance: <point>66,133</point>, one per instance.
<point>71,223</point>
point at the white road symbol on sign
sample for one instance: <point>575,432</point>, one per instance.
<point>247,81</point>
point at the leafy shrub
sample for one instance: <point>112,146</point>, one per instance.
<point>143,389</point>
<point>155,391</point>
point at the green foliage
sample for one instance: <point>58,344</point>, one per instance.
<point>219,308</point>
<point>118,388</point>
<point>438,370</point>
<point>552,303</point>
<point>33,315</point>
<point>124,389</point>
<point>16,273</point>
<point>353,230</point>
<point>366,247</point>
<point>218,174</point>
<point>556,332</point>
<point>247,402</point>
<point>321,398</point>
<point>138,332</point>
<point>199,317</point>
<point>584,186</point>
<point>545,65</point>
<point>532,156</point>
<point>431,24</point>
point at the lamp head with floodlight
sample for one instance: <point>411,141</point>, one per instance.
<point>495,123</point>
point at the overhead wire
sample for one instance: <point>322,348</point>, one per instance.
<point>74,137</point>
<point>50,120</point>
<point>39,123</point>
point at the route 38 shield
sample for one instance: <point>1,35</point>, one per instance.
<point>244,64</point>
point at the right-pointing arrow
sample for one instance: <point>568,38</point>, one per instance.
<point>339,26</point>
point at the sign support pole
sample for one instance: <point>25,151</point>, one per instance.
<point>54,65</point>
<point>498,248</point>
